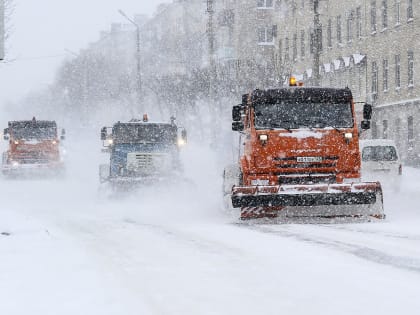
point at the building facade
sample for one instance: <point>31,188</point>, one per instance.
<point>369,46</point>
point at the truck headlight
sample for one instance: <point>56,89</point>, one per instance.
<point>263,137</point>
<point>181,142</point>
<point>110,141</point>
<point>348,135</point>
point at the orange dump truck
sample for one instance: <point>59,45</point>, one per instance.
<point>34,148</point>
<point>299,156</point>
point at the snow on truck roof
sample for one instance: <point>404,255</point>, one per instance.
<point>29,123</point>
<point>140,122</point>
<point>302,94</point>
<point>376,142</point>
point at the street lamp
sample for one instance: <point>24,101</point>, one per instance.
<point>138,78</point>
<point>84,61</point>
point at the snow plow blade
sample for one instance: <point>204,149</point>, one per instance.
<point>327,200</point>
<point>34,169</point>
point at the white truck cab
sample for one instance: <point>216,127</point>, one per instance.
<point>381,161</point>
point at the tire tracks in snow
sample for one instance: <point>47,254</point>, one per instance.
<point>97,238</point>
<point>190,239</point>
<point>363,252</point>
<point>399,236</point>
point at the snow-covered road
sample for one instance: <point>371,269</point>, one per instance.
<point>65,249</point>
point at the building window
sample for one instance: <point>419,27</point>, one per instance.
<point>359,22</point>
<point>302,43</point>
<point>397,133</point>
<point>319,38</point>
<point>385,129</point>
<point>385,74</point>
<point>329,34</point>
<point>350,27</point>
<point>410,69</point>
<point>397,71</point>
<point>295,49</point>
<point>339,39</point>
<point>265,4</point>
<point>280,49</point>
<point>384,14</point>
<point>373,17</point>
<point>374,130</point>
<point>374,80</point>
<point>286,49</point>
<point>266,35</point>
<point>311,41</point>
<point>410,129</point>
<point>410,14</point>
<point>397,12</point>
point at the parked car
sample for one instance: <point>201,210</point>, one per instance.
<point>381,161</point>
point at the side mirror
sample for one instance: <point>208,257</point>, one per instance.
<point>63,134</point>
<point>367,112</point>
<point>365,124</point>
<point>236,113</point>
<point>103,133</point>
<point>238,126</point>
<point>184,135</point>
<point>6,134</point>
<point>244,99</point>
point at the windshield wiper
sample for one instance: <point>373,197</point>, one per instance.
<point>281,125</point>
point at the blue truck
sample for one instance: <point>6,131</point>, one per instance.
<point>142,152</point>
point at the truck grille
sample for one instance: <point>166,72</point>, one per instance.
<point>291,164</point>
<point>147,162</point>
<point>32,158</point>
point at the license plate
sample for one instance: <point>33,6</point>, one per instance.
<point>309,159</point>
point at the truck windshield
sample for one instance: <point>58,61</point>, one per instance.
<point>289,115</point>
<point>379,153</point>
<point>31,132</point>
<point>140,133</point>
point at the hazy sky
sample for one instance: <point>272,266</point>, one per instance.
<point>43,29</point>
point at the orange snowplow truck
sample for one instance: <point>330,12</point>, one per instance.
<point>34,148</point>
<point>299,156</point>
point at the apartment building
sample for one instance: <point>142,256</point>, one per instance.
<point>370,46</point>
<point>246,42</point>
<point>175,37</point>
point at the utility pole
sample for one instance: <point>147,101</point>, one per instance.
<point>213,72</point>
<point>211,39</point>
<point>2,31</point>
<point>138,61</point>
<point>317,44</point>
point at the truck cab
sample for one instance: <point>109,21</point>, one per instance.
<point>142,151</point>
<point>300,155</point>
<point>34,147</point>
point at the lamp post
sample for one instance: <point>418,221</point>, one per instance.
<point>317,44</point>
<point>2,31</point>
<point>138,75</point>
<point>84,61</point>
